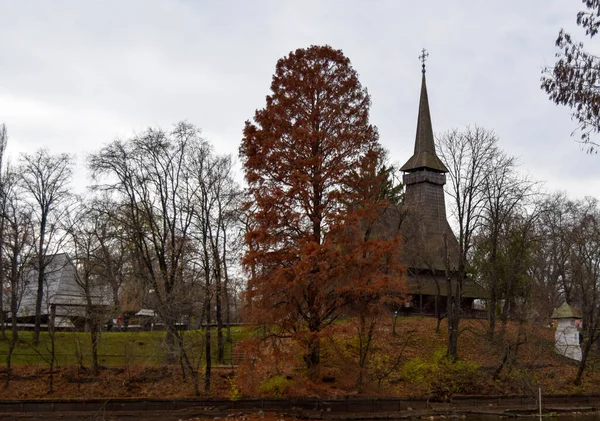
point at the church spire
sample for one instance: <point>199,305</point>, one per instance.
<point>424,156</point>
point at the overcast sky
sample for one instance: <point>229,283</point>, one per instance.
<point>74,75</point>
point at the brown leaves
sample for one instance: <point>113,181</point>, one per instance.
<point>573,81</point>
<point>311,160</point>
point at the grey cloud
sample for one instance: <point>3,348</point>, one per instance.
<point>74,75</point>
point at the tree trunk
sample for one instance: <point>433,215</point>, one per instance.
<point>15,333</point>
<point>94,334</point>
<point>502,363</point>
<point>312,358</point>
<point>116,299</point>
<point>453,340</point>
<point>492,310</point>
<point>582,363</point>
<point>2,322</point>
<point>453,303</point>
<point>13,343</point>
<point>227,312</point>
<point>52,336</point>
<point>207,372</point>
<point>219,317</point>
<point>41,275</point>
<point>438,310</point>
<point>207,344</point>
<point>94,337</point>
<point>506,309</point>
<point>365,336</point>
<point>225,292</point>
<point>493,299</point>
<point>38,306</point>
<point>452,314</point>
<point>2,230</point>
<point>170,341</point>
<point>184,361</point>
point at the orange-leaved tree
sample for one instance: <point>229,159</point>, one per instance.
<point>314,169</point>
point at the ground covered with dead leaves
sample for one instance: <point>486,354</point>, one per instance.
<point>399,364</point>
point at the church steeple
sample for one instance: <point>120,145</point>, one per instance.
<point>430,248</point>
<point>424,156</point>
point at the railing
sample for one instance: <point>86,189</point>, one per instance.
<point>298,405</point>
<point>466,314</point>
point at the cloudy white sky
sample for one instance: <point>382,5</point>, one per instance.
<point>75,75</point>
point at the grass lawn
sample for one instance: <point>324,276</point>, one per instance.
<point>114,348</point>
<point>405,364</point>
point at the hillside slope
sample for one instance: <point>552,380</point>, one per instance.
<point>408,362</point>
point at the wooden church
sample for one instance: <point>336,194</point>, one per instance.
<point>431,250</point>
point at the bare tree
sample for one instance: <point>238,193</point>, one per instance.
<point>88,258</point>
<point>566,264</point>
<point>114,257</point>
<point>147,177</point>
<point>18,248</point>
<point>169,197</point>
<point>573,81</point>
<point>3,204</point>
<point>45,181</point>
<point>469,156</point>
<point>506,229</point>
<point>216,214</point>
<point>502,260</point>
<point>551,266</point>
<point>230,254</point>
<point>585,258</point>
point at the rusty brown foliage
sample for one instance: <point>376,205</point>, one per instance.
<point>313,166</point>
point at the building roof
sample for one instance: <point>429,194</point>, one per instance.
<point>61,289</point>
<point>430,249</point>
<point>146,312</point>
<point>429,242</point>
<point>565,311</point>
<point>424,155</point>
<point>430,246</point>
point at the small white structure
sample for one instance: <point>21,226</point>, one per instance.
<point>146,313</point>
<point>61,291</point>
<point>566,338</point>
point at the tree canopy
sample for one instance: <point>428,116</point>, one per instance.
<point>574,81</point>
<point>314,170</point>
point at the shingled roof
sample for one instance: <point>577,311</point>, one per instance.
<point>565,311</point>
<point>430,249</point>
<point>424,155</point>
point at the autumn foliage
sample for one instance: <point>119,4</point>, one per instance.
<point>573,80</point>
<point>313,166</point>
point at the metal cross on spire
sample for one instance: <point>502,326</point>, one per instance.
<point>423,57</point>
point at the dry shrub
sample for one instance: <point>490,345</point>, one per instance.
<point>264,359</point>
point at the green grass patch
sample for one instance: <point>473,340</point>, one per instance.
<point>116,349</point>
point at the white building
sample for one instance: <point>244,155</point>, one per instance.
<point>61,291</point>
<point>566,338</point>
